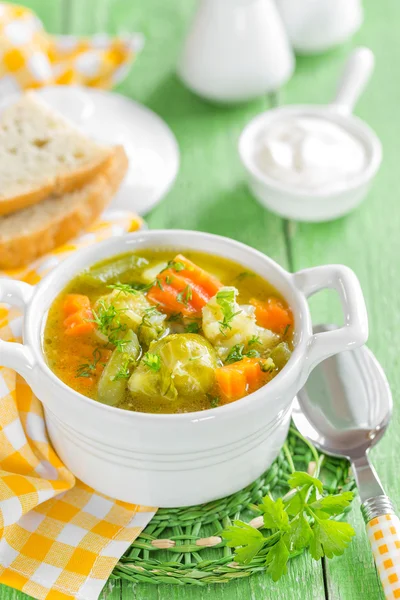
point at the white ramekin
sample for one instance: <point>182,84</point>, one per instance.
<point>312,205</point>
<point>182,459</point>
<point>323,204</point>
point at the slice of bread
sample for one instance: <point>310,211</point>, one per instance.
<point>35,230</point>
<point>41,153</point>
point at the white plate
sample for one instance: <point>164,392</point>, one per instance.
<point>111,118</point>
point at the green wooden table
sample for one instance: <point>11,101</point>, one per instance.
<point>210,195</point>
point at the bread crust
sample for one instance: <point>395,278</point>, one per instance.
<point>58,186</point>
<point>87,205</point>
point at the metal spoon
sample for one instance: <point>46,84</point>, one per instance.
<point>344,409</point>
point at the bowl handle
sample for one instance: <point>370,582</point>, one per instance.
<point>354,332</point>
<point>12,354</point>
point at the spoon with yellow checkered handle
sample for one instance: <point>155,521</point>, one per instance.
<point>344,409</point>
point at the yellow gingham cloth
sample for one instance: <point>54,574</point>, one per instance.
<point>59,538</point>
<point>31,58</point>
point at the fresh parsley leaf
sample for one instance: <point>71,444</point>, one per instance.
<point>330,538</point>
<point>176,265</point>
<point>226,300</point>
<point>153,361</point>
<point>88,369</point>
<point>192,327</point>
<point>311,526</point>
<point>185,295</point>
<point>296,501</point>
<point>242,535</point>
<point>254,340</point>
<point>275,516</point>
<point>332,505</point>
<point>300,478</point>
<point>299,534</point>
<point>235,354</point>
<point>123,287</point>
<point>276,560</point>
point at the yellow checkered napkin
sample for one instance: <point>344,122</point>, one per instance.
<point>59,538</point>
<point>31,58</point>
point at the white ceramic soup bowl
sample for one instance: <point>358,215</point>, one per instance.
<point>189,458</point>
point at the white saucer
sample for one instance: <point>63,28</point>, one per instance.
<point>111,118</point>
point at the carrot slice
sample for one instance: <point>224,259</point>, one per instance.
<point>231,383</point>
<point>236,379</point>
<point>199,276</point>
<point>79,322</point>
<point>74,303</point>
<point>183,287</point>
<point>272,314</point>
<point>167,299</point>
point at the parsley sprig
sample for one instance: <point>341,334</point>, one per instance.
<point>153,361</point>
<point>226,300</point>
<point>108,320</point>
<point>124,288</point>
<point>305,518</point>
<point>237,353</point>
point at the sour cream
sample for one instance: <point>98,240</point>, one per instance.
<point>310,153</point>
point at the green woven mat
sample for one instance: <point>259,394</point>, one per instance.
<point>183,546</point>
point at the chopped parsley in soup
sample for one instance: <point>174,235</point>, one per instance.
<point>161,332</point>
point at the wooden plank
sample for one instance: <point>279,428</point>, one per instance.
<point>368,241</point>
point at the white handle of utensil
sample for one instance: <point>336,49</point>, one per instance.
<point>356,74</point>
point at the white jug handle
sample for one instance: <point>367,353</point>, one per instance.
<point>354,332</point>
<point>12,354</point>
<point>356,74</point>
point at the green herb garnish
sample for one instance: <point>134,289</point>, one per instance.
<point>153,361</point>
<point>185,295</point>
<point>176,266</point>
<point>159,284</point>
<point>226,300</point>
<point>124,369</point>
<point>214,402</point>
<point>125,288</point>
<point>107,319</point>
<point>192,327</point>
<point>304,519</point>
<point>284,334</point>
<point>89,368</point>
<point>142,287</point>
<point>254,340</point>
<point>236,353</point>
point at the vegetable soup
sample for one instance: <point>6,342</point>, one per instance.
<point>160,332</point>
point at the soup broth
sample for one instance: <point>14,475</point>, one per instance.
<point>158,332</point>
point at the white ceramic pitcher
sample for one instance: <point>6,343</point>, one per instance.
<point>236,50</point>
